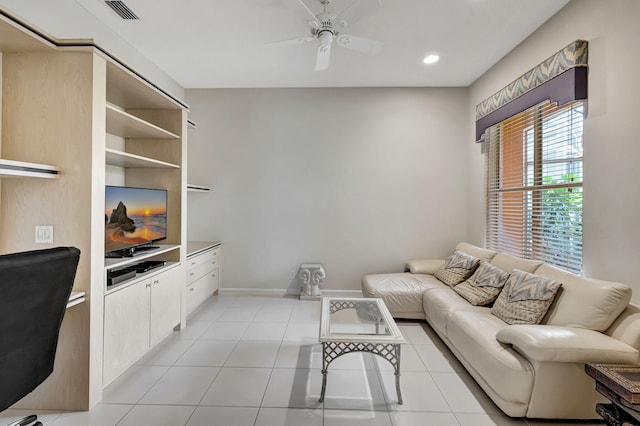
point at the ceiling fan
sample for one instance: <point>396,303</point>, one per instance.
<point>327,27</point>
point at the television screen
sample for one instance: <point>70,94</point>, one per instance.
<point>134,216</point>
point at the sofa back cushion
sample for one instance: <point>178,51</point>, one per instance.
<point>508,263</point>
<point>626,327</point>
<point>584,302</point>
<point>475,251</point>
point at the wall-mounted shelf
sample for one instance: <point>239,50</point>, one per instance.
<point>21,169</point>
<point>76,298</point>
<point>123,124</point>
<point>197,188</point>
<point>124,159</point>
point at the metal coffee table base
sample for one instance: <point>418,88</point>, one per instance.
<point>388,351</point>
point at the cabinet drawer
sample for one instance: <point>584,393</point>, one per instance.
<point>200,271</point>
<point>210,257</point>
<point>201,289</point>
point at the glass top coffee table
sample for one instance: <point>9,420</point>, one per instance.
<point>358,325</point>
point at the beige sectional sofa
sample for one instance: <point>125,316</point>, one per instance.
<point>534,371</point>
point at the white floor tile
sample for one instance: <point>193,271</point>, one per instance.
<point>239,387</point>
<point>273,331</point>
<point>293,388</point>
<point>409,361</point>
<point>249,353</point>
<point>238,314</point>
<point>225,331</point>
<point>354,390</point>
<point>563,423</point>
<point>305,311</point>
<point>207,312</point>
<point>416,418</point>
<point>463,394</point>
<point>207,353</point>
<point>223,416</point>
<point>167,352</point>
<point>289,417</point>
<point>419,392</point>
<point>471,419</point>
<point>302,331</point>
<point>100,415</point>
<point>416,334</point>
<point>299,355</point>
<point>193,330</point>
<point>157,415</point>
<point>438,359</point>
<point>356,417</point>
<point>181,386</point>
<point>133,384</point>
<point>274,312</point>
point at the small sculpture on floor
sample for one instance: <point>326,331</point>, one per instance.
<point>312,276</point>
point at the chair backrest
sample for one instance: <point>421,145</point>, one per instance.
<point>34,290</point>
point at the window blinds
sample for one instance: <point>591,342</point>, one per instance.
<point>534,185</point>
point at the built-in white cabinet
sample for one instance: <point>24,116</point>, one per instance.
<point>137,316</point>
<point>203,273</point>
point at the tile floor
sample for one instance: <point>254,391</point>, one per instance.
<point>246,360</point>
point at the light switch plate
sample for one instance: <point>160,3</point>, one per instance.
<point>44,234</point>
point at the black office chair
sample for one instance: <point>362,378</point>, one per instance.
<point>34,290</point>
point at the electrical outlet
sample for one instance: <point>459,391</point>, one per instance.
<point>292,274</point>
<point>44,234</point>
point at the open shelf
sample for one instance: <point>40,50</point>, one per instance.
<point>76,298</point>
<point>124,159</point>
<point>21,169</point>
<point>123,124</point>
<point>197,188</point>
<point>139,277</point>
<point>110,263</point>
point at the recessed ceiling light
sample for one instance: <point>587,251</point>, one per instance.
<point>431,59</point>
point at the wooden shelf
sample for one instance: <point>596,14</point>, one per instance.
<point>197,188</point>
<point>21,169</point>
<point>123,124</point>
<point>124,159</point>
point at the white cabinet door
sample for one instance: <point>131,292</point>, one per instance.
<point>165,303</point>
<point>126,328</point>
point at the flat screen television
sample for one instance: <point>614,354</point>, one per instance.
<point>134,217</point>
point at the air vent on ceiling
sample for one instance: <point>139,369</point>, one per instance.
<point>121,9</point>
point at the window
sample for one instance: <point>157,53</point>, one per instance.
<point>534,185</point>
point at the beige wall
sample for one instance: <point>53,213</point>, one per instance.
<point>611,148</point>
<point>357,179</point>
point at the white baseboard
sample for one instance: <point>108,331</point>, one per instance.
<point>281,292</point>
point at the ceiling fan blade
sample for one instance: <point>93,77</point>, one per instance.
<point>311,14</point>
<point>324,55</point>
<point>360,44</point>
<point>357,10</point>
<point>293,42</point>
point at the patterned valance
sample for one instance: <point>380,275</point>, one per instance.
<point>560,78</point>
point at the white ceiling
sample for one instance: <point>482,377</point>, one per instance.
<point>225,43</point>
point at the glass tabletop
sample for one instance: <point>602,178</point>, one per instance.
<point>357,319</point>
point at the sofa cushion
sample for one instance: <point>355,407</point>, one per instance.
<point>506,372</point>
<point>401,293</point>
<point>509,263</point>
<point>438,304</point>
<point>484,286</point>
<point>457,268</point>
<point>525,298</point>
<point>475,251</point>
<point>423,266</point>
<point>585,302</point>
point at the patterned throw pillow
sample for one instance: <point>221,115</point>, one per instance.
<point>457,268</point>
<point>525,298</point>
<point>484,286</point>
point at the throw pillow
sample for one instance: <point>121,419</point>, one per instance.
<point>484,286</point>
<point>525,298</point>
<point>457,268</point>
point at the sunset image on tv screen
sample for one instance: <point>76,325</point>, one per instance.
<point>134,216</point>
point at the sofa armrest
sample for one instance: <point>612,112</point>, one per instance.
<point>566,344</point>
<point>424,266</point>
